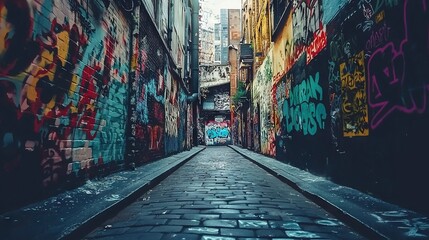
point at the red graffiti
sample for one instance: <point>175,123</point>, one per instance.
<point>139,132</point>
<point>155,137</point>
<point>86,105</point>
<point>158,111</point>
<point>317,45</point>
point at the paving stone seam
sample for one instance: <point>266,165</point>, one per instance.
<point>359,226</point>
<point>84,228</point>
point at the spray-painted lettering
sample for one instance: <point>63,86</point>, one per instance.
<point>304,111</point>
<point>398,75</point>
<point>355,110</point>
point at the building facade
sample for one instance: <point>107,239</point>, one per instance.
<point>339,88</point>
<point>110,91</point>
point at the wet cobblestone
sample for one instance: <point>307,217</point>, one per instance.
<point>220,195</point>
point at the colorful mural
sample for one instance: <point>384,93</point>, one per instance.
<point>172,115</point>
<point>63,90</point>
<point>262,85</point>
<point>283,58</point>
<point>218,132</point>
<point>152,99</point>
<point>309,32</point>
<point>350,81</point>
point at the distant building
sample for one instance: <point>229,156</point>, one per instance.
<point>227,32</point>
<point>206,42</point>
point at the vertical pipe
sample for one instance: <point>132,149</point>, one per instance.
<point>195,65</point>
<point>131,114</point>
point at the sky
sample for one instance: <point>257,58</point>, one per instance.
<point>226,4</point>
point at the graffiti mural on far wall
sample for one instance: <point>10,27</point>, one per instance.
<point>63,85</point>
<point>218,133</point>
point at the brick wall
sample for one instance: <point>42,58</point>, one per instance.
<point>64,69</point>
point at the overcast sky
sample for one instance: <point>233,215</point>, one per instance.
<point>226,4</point>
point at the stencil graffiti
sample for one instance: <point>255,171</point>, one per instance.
<point>367,11</point>
<point>355,109</point>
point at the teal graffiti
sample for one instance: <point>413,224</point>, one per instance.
<point>217,133</point>
<point>307,89</point>
<point>300,112</point>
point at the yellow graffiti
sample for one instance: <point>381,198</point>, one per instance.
<point>353,85</point>
<point>73,85</point>
<point>5,28</point>
<point>38,70</point>
<point>63,46</point>
<point>379,17</point>
<point>45,67</point>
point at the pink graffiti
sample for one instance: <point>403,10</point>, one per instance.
<point>378,37</point>
<point>394,84</point>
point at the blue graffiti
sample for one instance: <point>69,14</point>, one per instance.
<point>217,132</point>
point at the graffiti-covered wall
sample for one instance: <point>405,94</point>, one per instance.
<point>218,132</point>
<point>214,74</point>
<point>63,90</point>
<point>171,116</point>
<point>158,102</point>
<point>380,70</point>
<point>151,76</point>
<point>261,96</point>
<point>349,91</point>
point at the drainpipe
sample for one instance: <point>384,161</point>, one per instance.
<point>130,146</point>
<point>195,66</point>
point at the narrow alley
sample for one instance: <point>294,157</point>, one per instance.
<point>221,195</point>
<point>214,119</point>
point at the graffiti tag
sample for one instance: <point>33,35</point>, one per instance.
<point>304,111</point>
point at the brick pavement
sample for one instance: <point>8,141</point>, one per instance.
<point>373,217</point>
<point>221,195</point>
<point>69,214</point>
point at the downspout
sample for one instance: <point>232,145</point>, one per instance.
<point>130,156</point>
<point>195,66</point>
